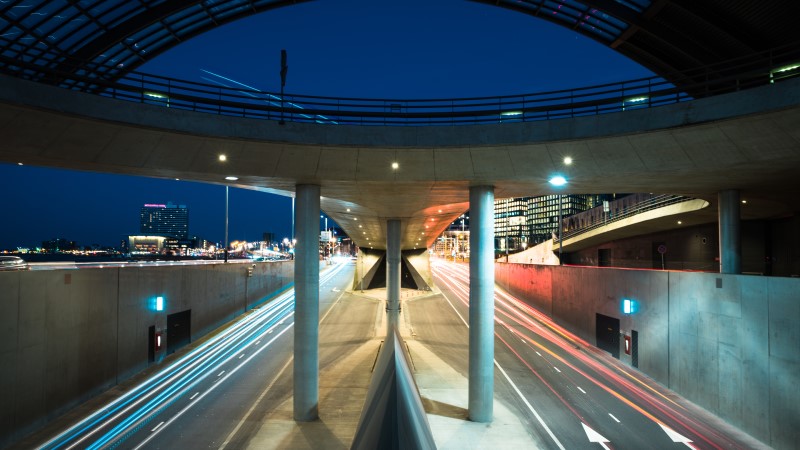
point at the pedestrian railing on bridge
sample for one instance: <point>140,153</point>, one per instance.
<point>746,72</point>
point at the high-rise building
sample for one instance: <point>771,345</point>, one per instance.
<point>527,221</point>
<point>164,220</point>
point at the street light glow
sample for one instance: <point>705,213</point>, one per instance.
<point>222,157</point>
<point>567,160</point>
<point>558,180</point>
<point>395,165</point>
<point>231,178</point>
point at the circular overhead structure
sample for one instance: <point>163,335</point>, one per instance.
<point>110,38</point>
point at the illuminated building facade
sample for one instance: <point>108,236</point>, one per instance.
<point>525,221</point>
<point>164,220</point>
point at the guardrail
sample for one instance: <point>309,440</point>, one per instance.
<point>656,202</point>
<point>741,73</point>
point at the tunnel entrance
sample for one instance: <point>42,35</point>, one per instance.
<point>179,330</point>
<point>607,334</point>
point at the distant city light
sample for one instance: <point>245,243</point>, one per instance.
<point>511,113</point>
<point>558,180</point>
<point>154,205</point>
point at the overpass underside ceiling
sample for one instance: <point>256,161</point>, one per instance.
<point>758,154</point>
<point>671,37</point>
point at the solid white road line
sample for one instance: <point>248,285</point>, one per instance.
<point>513,385</point>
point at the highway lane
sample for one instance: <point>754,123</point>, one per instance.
<point>570,394</point>
<point>198,399</point>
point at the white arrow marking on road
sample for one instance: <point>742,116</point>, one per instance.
<point>594,436</point>
<point>675,436</point>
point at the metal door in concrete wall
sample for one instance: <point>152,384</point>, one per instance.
<point>604,257</point>
<point>635,348</point>
<point>658,251</point>
<point>151,344</point>
<point>179,330</point>
<point>607,333</point>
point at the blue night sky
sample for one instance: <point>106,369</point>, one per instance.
<point>346,48</point>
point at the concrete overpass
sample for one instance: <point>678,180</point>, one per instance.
<point>747,141</point>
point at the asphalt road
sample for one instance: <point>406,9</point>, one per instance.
<point>212,394</point>
<point>570,394</point>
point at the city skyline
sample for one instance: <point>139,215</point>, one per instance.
<point>410,50</point>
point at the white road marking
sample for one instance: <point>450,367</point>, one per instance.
<point>513,385</point>
<point>195,395</point>
<point>241,356</point>
<point>579,388</point>
<point>594,436</point>
<point>154,429</point>
<point>258,342</point>
<point>539,354</point>
<point>554,367</point>
<point>675,436</point>
<point>183,411</point>
<point>220,374</point>
<point>264,392</point>
<point>612,416</point>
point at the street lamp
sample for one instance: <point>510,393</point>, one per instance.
<point>226,223</point>
<point>559,181</point>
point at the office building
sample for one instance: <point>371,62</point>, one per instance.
<point>164,220</point>
<point>526,221</point>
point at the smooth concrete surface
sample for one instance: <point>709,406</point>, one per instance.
<point>306,315</point>
<point>728,343</point>
<point>346,369</point>
<point>420,260</point>
<point>730,240</point>
<point>693,148</point>
<point>66,335</point>
<point>393,264</point>
<point>481,303</point>
<point>366,266</point>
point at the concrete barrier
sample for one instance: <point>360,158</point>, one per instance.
<point>67,335</point>
<point>729,343</point>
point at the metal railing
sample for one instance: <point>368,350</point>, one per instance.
<point>651,204</point>
<point>741,73</point>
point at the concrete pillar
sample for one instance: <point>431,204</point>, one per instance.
<point>481,303</point>
<point>306,314</point>
<point>393,265</point>
<point>730,242</point>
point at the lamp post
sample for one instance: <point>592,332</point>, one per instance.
<point>226,223</point>
<point>559,181</point>
<point>560,228</point>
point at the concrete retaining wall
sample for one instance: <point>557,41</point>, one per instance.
<point>66,335</point>
<point>730,343</point>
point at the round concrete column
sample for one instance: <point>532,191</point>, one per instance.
<point>306,314</point>
<point>481,303</point>
<point>730,243</point>
<point>393,265</point>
